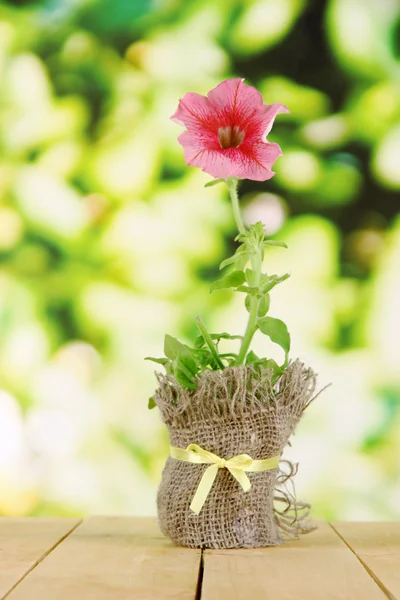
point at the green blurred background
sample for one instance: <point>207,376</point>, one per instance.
<point>108,241</point>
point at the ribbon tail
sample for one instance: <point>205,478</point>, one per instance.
<point>241,477</point>
<point>267,464</point>
<point>204,488</point>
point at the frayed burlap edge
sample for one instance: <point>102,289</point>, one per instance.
<point>292,516</point>
<point>237,393</point>
<point>242,392</point>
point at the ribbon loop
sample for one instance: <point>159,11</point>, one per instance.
<point>237,466</point>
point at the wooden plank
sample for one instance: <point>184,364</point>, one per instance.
<point>24,542</point>
<point>114,558</point>
<point>319,565</point>
<point>378,547</point>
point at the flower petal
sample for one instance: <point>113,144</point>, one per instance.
<point>237,104</point>
<point>194,144</point>
<point>269,113</point>
<point>234,95</point>
<point>254,163</point>
<point>220,165</point>
<point>195,111</point>
<point>240,108</point>
<point>261,123</point>
<point>209,156</point>
<point>258,159</point>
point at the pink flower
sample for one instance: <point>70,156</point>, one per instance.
<point>226,131</point>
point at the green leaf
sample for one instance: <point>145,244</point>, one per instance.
<point>274,243</point>
<point>277,370</point>
<point>204,357</point>
<point>268,363</point>
<point>258,231</point>
<point>240,259</point>
<point>228,261</point>
<point>174,349</point>
<point>271,364</point>
<point>186,369</point>
<point>171,347</point>
<point>165,362</point>
<point>277,331</point>
<point>231,280</point>
<point>263,306</point>
<point>231,359</point>
<point>151,404</point>
<point>225,336</point>
<point>247,290</point>
<point>199,341</point>
<point>251,358</point>
<point>187,361</point>
<point>214,182</point>
<point>160,361</point>
<point>182,356</point>
<point>183,378</point>
<point>247,302</point>
<point>269,282</point>
<point>251,277</point>
<point>182,362</point>
<point>242,237</point>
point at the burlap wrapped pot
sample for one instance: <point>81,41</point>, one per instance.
<point>234,411</point>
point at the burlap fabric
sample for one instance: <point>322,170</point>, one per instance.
<point>234,411</point>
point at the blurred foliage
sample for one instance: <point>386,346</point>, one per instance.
<point>108,241</point>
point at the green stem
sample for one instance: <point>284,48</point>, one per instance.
<point>254,302</point>
<point>232,184</point>
<point>209,342</point>
<point>256,262</point>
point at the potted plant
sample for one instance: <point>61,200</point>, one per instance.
<point>230,415</point>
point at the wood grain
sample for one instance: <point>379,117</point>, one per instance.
<point>114,558</point>
<point>378,547</point>
<point>24,542</point>
<point>317,566</point>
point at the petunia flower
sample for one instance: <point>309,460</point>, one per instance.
<point>226,131</point>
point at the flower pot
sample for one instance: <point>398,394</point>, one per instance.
<point>232,412</point>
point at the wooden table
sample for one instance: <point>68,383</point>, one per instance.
<point>118,558</point>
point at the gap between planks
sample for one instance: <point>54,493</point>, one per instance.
<point>199,588</point>
<point>318,565</point>
<point>34,555</point>
<point>111,557</point>
<point>114,558</point>
<point>377,546</point>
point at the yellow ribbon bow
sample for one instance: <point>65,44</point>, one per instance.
<point>237,466</point>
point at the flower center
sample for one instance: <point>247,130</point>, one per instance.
<point>230,137</point>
